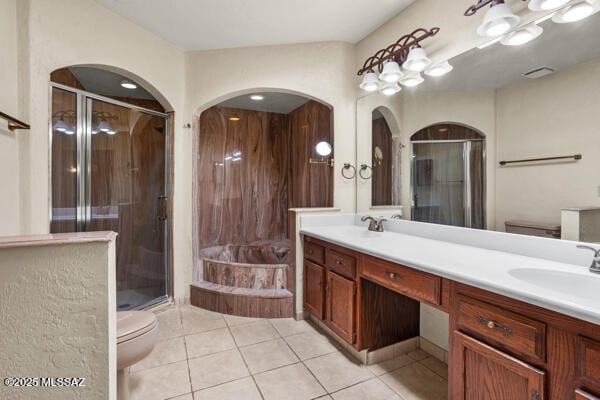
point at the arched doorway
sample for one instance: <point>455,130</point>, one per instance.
<point>110,171</point>
<point>448,175</point>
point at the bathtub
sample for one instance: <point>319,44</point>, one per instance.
<point>250,266</point>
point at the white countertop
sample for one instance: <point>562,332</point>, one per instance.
<point>496,271</point>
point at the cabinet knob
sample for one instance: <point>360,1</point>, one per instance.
<point>338,262</point>
<point>494,325</point>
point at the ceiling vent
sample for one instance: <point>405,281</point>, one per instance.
<point>539,72</point>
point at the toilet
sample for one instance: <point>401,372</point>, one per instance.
<point>137,333</point>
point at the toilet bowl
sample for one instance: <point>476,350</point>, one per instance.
<point>137,333</point>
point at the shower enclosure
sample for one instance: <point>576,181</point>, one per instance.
<point>448,177</point>
<point>109,172</point>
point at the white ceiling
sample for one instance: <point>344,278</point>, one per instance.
<point>217,24</point>
<point>561,46</point>
<point>275,102</point>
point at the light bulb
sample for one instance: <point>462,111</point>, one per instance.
<point>128,85</point>
<point>522,35</point>
<point>412,81</point>
<point>498,20</point>
<point>61,126</point>
<point>370,82</point>
<point>417,60</point>
<point>391,72</point>
<point>391,89</point>
<point>323,149</point>
<point>439,69</point>
<point>545,5</point>
<point>576,12</point>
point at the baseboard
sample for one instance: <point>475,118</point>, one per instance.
<point>433,350</point>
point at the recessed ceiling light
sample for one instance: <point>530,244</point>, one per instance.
<point>257,97</point>
<point>128,85</point>
<point>234,118</point>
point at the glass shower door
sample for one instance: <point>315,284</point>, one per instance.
<point>127,194</point>
<point>109,172</point>
<point>447,183</point>
<point>439,183</point>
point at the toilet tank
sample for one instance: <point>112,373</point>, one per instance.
<point>533,228</point>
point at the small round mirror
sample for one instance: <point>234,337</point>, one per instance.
<point>323,149</point>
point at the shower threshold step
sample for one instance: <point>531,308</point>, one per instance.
<point>271,293</point>
<point>243,302</point>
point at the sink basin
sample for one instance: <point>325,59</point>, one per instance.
<point>584,285</point>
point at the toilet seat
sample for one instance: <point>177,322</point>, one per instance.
<point>133,324</point>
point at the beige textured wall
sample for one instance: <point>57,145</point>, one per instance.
<point>60,33</point>
<point>550,116</point>
<point>9,147</point>
<point>58,319</point>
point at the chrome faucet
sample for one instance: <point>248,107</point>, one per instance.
<point>375,225</point>
<point>396,216</point>
<point>595,267</point>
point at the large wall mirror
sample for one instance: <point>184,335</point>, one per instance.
<point>508,140</point>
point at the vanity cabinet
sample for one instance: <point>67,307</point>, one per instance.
<point>340,306</point>
<point>330,287</point>
<point>483,372</point>
<point>314,294</point>
<point>500,348</point>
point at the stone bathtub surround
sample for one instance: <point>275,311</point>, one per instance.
<point>246,280</point>
<point>479,258</point>
<point>58,307</point>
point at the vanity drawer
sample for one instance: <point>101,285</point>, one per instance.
<point>505,329</point>
<point>342,263</point>
<point>589,361</point>
<point>418,285</point>
<point>314,252</point>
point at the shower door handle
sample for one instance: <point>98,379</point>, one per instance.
<point>163,208</point>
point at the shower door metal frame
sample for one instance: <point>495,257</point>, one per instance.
<point>84,169</point>
<point>468,200</point>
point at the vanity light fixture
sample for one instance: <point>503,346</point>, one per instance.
<point>61,126</point>
<point>522,35</point>
<point>257,97</point>
<point>498,20</point>
<point>390,89</point>
<point>417,60</point>
<point>439,69</point>
<point>111,132</point>
<point>128,85</point>
<point>370,82</point>
<point>382,70</point>
<point>69,131</point>
<point>546,5</point>
<point>576,11</point>
<point>412,80</point>
<point>103,126</point>
<point>391,72</point>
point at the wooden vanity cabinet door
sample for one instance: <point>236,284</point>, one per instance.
<point>484,373</point>
<point>341,296</point>
<point>314,289</point>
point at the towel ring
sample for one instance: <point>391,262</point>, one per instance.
<point>348,166</point>
<point>364,167</point>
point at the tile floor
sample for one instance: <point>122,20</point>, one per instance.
<point>208,356</point>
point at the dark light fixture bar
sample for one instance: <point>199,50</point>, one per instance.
<point>574,157</point>
<point>480,4</point>
<point>398,51</point>
<point>13,123</point>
